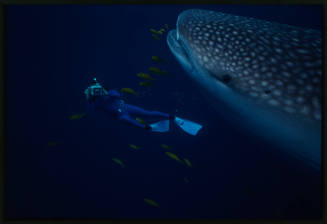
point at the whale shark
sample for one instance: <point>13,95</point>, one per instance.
<point>265,78</point>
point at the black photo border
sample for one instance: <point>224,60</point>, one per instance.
<point>4,3</point>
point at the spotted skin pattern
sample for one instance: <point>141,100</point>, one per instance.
<point>277,65</point>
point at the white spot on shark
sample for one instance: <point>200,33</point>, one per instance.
<point>251,81</point>
<point>302,51</point>
<point>315,102</point>
<point>299,99</point>
<point>290,110</point>
<point>264,83</point>
<point>279,83</point>
<point>277,92</point>
<point>273,102</point>
<point>278,50</point>
<point>286,74</point>
<point>317,115</point>
<point>309,87</point>
<point>305,110</point>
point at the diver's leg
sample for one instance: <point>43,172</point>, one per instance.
<point>125,118</point>
<point>138,111</point>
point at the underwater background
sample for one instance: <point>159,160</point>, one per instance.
<point>59,166</point>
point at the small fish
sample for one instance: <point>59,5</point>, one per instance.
<point>173,156</point>
<point>186,180</point>
<point>187,162</point>
<point>140,120</point>
<point>144,76</point>
<point>154,70</point>
<point>128,90</point>
<point>118,161</point>
<point>51,144</point>
<point>157,59</point>
<point>166,26</point>
<point>151,202</point>
<point>154,31</point>
<point>146,83</point>
<point>154,36</point>
<point>134,146</point>
<point>164,146</point>
<point>161,31</point>
<point>77,116</point>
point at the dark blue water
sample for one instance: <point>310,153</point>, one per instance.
<point>52,54</point>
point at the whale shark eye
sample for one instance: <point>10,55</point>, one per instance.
<point>226,78</point>
<point>221,76</point>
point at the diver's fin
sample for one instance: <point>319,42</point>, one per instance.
<point>189,127</point>
<point>161,126</point>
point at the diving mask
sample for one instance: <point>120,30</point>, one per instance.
<point>95,90</point>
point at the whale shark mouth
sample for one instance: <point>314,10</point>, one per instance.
<point>183,54</point>
<point>174,41</point>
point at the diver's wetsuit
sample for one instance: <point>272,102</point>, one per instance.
<point>115,106</point>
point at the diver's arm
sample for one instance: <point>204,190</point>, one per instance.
<point>113,93</point>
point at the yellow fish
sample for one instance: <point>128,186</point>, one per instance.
<point>166,25</point>
<point>151,202</point>
<point>146,83</point>
<point>140,120</point>
<point>118,161</point>
<point>173,156</point>
<point>154,36</point>
<point>77,116</point>
<point>144,76</point>
<point>128,90</point>
<point>154,70</point>
<point>53,143</point>
<point>156,58</point>
<point>165,146</point>
<point>186,180</point>
<point>154,31</point>
<point>187,162</point>
<point>134,146</point>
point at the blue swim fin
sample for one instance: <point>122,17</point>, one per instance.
<point>189,127</point>
<point>161,126</point>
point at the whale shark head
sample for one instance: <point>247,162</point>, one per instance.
<point>271,72</point>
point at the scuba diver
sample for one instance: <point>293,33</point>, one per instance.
<point>109,101</point>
